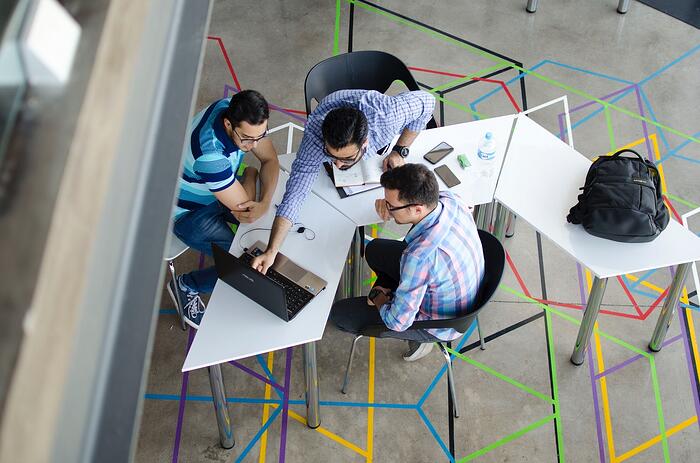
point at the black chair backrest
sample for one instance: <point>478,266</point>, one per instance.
<point>494,264</point>
<point>368,70</point>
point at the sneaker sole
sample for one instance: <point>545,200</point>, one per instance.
<point>174,298</point>
<point>419,353</point>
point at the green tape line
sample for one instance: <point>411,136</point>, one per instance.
<point>682,201</point>
<point>608,123</point>
<point>336,33</point>
<point>555,386</point>
<point>503,62</point>
<point>659,410</point>
<point>501,376</point>
<point>506,439</point>
<point>575,321</point>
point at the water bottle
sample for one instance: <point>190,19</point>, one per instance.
<point>487,147</point>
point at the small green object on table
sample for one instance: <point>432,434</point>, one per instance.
<point>463,161</point>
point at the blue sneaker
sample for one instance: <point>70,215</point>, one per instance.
<point>187,301</point>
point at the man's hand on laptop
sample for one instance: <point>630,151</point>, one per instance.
<point>250,211</point>
<point>382,210</point>
<point>264,261</point>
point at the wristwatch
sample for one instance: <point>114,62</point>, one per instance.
<point>402,150</point>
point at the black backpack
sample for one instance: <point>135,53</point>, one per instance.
<point>621,200</point>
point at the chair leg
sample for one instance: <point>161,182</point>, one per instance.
<point>450,378</point>
<point>481,338</point>
<point>347,369</point>
<point>178,304</point>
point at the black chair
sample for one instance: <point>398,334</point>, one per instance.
<point>494,260</point>
<point>368,70</point>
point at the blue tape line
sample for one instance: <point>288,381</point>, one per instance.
<point>633,284</point>
<point>601,109</point>
<point>442,370</point>
<point>672,153</point>
<point>259,434</point>
<point>593,73</point>
<point>204,398</point>
<point>435,435</point>
<point>252,400</point>
<point>646,294</point>
<point>269,375</point>
<point>678,156</point>
<point>672,63</point>
<point>366,405</point>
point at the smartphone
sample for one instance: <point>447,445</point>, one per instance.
<point>447,176</point>
<point>439,152</point>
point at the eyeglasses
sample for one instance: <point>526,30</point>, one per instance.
<point>250,141</point>
<point>391,208</point>
<point>347,162</point>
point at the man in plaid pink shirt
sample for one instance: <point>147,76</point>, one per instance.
<point>433,274</point>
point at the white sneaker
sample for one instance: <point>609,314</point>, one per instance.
<point>417,350</point>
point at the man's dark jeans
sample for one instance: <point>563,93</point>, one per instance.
<point>199,229</point>
<point>351,315</point>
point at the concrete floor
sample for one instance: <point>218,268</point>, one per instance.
<point>521,399</point>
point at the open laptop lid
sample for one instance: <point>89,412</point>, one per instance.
<point>285,266</point>
<point>250,282</point>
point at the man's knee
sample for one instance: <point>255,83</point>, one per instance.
<point>373,252</point>
<point>344,315</point>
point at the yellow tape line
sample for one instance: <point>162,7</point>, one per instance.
<point>266,411</point>
<point>656,440</point>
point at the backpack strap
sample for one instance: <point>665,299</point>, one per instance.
<point>627,151</point>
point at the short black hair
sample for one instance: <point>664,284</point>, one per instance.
<point>249,106</point>
<point>415,182</point>
<point>344,126</point>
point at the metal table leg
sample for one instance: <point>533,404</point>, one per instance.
<point>313,411</point>
<point>589,317</point>
<point>510,227</point>
<point>666,315</point>
<point>531,6</point>
<point>218,391</point>
<point>499,227</point>
<point>623,6</point>
<point>357,262</point>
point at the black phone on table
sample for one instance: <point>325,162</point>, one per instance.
<point>447,176</point>
<point>438,153</point>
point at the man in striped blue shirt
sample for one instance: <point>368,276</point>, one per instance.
<point>212,196</point>
<point>347,126</point>
<point>433,274</point>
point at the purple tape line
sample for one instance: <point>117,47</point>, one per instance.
<point>591,371</point>
<point>688,354</point>
<point>285,405</point>
<point>562,133</point>
<point>183,401</point>
<point>255,375</point>
<point>633,359</point>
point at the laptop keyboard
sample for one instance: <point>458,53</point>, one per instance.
<point>296,296</point>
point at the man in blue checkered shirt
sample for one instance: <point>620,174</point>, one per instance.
<point>347,126</point>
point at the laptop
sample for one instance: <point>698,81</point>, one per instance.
<point>284,290</point>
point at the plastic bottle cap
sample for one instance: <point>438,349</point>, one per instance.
<point>489,135</point>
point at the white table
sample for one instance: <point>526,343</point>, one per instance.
<point>476,188</point>
<point>235,327</point>
<point>540,182</point>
